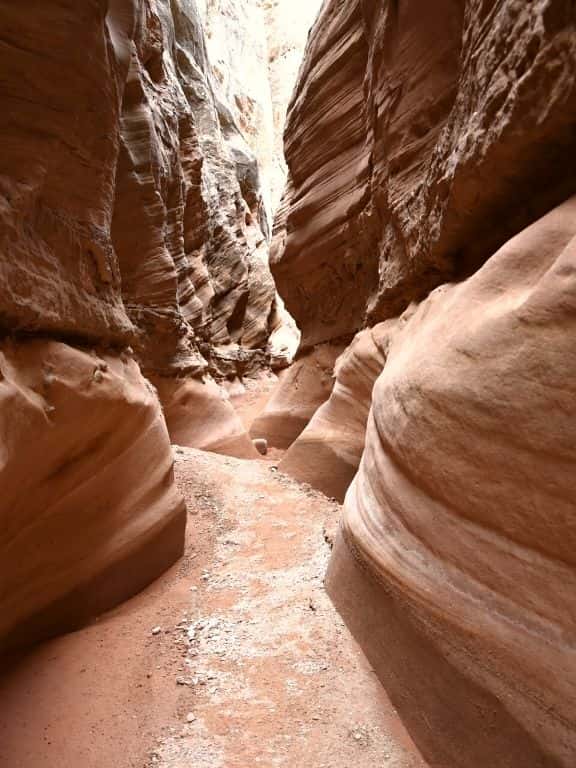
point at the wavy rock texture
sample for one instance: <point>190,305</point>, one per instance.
<point>300,392</point>
<point>131,213</point>
<point>420,138</point>
<point>456,566</point>
<point>189,224</point>
<point>89,513</point>
<point>327,453</point>
<point>199,414</point>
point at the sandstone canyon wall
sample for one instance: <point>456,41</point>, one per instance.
<point>419,139</point>
<point>133,240</point>
<point>431,146</point>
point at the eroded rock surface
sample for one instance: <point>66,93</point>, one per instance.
<point>461,517</point>
<point>89,513</point>
<point>189,224</point>
<point>420,138</point>
<point>327,453</point>
<point>132,224</point>
<point>301,390</point>
<point>199,414</point>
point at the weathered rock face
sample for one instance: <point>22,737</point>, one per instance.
<point>200,414</point>
<point>420,138</point>
<point>301,390</point>
<point>189,223</point>
<point>130,214</point>
<point>327,453</point>
<point>58,268</point>
<point>462,514</point>
<point>89,513</point>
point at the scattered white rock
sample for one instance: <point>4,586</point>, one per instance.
<point>190,717</point>
<point>156,630</point>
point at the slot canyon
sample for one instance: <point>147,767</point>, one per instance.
<point>287,384</point>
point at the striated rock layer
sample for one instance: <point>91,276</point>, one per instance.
<point>199,414</point>
<point>89,512</point>
<point>421,136</point>
<point>189,225</point>
<point>131,218</point>
<point>430,144</point>
<point>456,565</point>
<point>327,453</point>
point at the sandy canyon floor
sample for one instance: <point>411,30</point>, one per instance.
<point>235,658</point>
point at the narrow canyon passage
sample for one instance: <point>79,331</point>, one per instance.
<point>287,384</point>
<point>236,657</point>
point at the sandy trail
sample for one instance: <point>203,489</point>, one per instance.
<point>250,665</point>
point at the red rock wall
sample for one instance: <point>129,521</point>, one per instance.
<point>89,512</point>
<point>59,152</point>
<point>301,390</point>
<point>431,144</point>
<point>200,414</point>
<point>327,453</point>
<point>459,530</point>
<point>420,138</point>
<point>132,237</point>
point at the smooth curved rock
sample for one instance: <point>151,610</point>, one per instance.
<point>327,453</point>
<point>456,566</point>
<point>200,415</point>
<point>301,390</point>
<point>89,513</point>
<point>420,138</point>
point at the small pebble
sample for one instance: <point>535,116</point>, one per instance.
<point>261,446</point>
<point>190,717</point>
<point>156,630</point>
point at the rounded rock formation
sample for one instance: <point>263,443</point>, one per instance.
<point>456,564</point>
